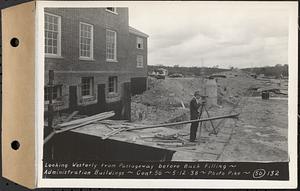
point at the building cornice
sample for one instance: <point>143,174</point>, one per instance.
<point>137,32</point>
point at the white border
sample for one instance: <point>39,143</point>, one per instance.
<point>169,183</point>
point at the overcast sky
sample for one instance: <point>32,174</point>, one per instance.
<point>204,35</point>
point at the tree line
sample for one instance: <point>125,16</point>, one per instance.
<point>187,71</point>
<point>274,71</point>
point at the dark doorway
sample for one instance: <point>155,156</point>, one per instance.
<point>73,98</point>
<point>126,101</point>
<point>138,85</point>
<point>101,104</point>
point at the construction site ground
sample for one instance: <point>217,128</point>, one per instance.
<point>259,134</point>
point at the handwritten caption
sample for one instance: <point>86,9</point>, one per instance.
<point>177,170</point>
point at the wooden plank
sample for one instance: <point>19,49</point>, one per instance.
<point>170,144</point>
<point>71,116</point>
<point>49,137</point>
<point>113,133</point>
<point>83,120</point>
<point>83,124</point>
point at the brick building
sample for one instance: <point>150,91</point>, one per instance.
<point>98,60</point>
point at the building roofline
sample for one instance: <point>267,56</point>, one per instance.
<point>137,32</point>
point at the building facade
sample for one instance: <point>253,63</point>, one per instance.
<point>98,60</point>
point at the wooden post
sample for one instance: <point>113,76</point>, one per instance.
<point>50,105</point>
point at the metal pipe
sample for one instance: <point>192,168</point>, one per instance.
<point>184,122</point>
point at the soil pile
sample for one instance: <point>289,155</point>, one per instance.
<point>164,97</point>
<point>170,92</point>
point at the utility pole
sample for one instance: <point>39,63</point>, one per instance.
<point>202,69</point>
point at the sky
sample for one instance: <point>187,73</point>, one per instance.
<point>205,35</point>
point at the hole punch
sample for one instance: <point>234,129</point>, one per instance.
<point>15,145</point>
<point>14,42</point>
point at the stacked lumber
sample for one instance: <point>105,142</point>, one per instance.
<point>68,125</point>
<point>124,126</point>
<point>82,122</point>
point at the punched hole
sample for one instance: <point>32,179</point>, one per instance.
<point>15,145</point>
<point>14,42</point>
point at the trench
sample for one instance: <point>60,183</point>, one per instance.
<point>73,146</point>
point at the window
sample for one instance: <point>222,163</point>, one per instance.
<point>87,86</point>
<point>112,84</point>
<point>139,43</point>
<point>56,92</point>
<point>112,9</point>
<point>139,61</point>
<point>52,34</point>
<point>111,45</point>
<point>86,41</point>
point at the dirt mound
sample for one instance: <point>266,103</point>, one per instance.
<point>170,92</point>
<point>237,83</point>
<point>153,115</point>
<point>177,91</point>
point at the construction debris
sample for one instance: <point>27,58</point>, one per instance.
<point>161,119</point>
<point>93,118</point>
<point>67,126</point>
<point>65,120</point>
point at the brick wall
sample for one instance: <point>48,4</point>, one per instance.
<point>69,68</point>
<point>101,20</point>
<point>134,51</point>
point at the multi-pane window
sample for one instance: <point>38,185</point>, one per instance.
<point>86,40</point>
<point>111,9</point>
<point>139,61</point>
<point>113,84</point>
<point>87,86</point>
<point>139,43</point>
<point>111,45</point>
<point>52,34</point>
<point>56,92</point>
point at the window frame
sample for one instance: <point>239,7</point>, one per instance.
<point>137,43</point>
<point>114,12</point>
<point>115,86</point>
<point>91,84</point>
<point>91,45</point>
<point>115,46</point>
<point>137,61</point>
<point>58,93</point>
<point>58,35</point>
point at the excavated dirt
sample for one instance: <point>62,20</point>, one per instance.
<point>170,92</point>
<point>260,133</point>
